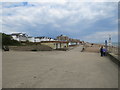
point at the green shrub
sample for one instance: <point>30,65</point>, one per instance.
<point>7,40</point>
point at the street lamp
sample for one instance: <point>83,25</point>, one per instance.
<point>109,43</point>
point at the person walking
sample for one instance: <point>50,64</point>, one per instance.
<point>104,51</point>
<point>101,51</point>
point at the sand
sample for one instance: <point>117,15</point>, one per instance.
<point>58,69</point>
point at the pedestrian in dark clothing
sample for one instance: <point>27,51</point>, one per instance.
<point>101,51</point>
<point>104,51</point>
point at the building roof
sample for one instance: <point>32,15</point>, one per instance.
<point>43,37</point>
<point>30,37</point>
<point>18,34</point>
<point>15,33</point>
<point>54,42</point>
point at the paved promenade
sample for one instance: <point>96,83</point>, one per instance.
<point>58,69</point>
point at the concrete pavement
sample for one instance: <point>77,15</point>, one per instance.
<point>58,69</point>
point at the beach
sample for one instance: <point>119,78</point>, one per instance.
<point>58,69</point>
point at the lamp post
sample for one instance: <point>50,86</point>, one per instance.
<point>109,43</point>
<point>106,44</point>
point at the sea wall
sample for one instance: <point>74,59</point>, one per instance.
<point>114,58</point>
<point>31,48</point>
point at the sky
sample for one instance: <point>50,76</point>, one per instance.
<point>87,21</point>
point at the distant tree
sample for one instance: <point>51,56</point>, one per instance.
<point>7,40</point>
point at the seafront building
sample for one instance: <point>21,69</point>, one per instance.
<point>24,37</point>
<point>56,44</point>
<point>63,38</point>
<point>70,40</point>
<point>20,36</point>
<point>31,39</point>
<point>61,41</point>
<point>39,39</point>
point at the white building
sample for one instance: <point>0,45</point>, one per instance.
<point>39,39</point>
<point>31,39</point>
<point>24,37</point>
<point>19,36</point>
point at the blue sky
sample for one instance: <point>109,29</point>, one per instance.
<point>88,21</point>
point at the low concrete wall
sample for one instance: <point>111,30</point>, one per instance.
<point>31,48</point>
<point>62,49</point>
<point>115,59</point>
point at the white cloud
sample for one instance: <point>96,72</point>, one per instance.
<point>59,1</point>
<point>65,16</point>
<point>74,11</point>
<point>102,36</point>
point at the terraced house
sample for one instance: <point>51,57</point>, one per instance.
<point>20,36</point>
